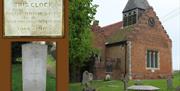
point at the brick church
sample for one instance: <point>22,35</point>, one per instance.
<point>138,45</point>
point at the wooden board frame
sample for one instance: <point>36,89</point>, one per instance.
<point>62,78</point>
<point>63,26</point>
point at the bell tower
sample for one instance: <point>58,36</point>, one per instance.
<point>133,10</point>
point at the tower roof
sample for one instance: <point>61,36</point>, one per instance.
<point>133,4</point>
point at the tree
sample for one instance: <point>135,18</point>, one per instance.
<point>81,14</point>
<point>16,51</point>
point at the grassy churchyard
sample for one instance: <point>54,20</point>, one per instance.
<point>50,80</point>
<point>115,85</point>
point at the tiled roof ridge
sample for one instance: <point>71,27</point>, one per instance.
<point>111,24</point>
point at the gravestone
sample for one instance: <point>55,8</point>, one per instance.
<point>169,83</point>
<point>85,79</point>
<point>88,88</point>
<point>178,88</point>
<point>108,77</point>
<point>34,59</point>
<point>90,76</point>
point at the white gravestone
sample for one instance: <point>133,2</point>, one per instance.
<point>34,59</point>
<point>90,76</point>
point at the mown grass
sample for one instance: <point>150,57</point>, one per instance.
<point>17,79</point>
<point>51,66</point>
<point>118,85</point>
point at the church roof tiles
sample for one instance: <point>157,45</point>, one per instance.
<point>133,4</point>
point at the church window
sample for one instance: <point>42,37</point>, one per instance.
<point>109,67</point>
<point>152,59</point>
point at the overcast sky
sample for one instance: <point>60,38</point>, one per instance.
<point>110,11</point>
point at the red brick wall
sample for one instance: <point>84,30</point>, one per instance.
<point>99,43</point>
<point>100,73</point>
<point>154,38</point>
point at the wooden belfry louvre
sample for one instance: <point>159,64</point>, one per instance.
<point>129,19</point>
<point>5,41</point>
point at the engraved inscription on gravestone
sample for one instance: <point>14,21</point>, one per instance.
<point>33,18</point>
<point>34,58</point>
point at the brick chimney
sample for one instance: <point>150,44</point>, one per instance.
<point>96,23</point>
<point>95,26</point>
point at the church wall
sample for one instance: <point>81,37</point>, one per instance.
<point>152,38</point>
<point>138,60</point>
<point>99,43</point>
<point>100,74</point>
